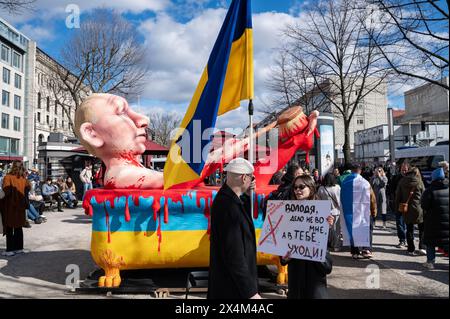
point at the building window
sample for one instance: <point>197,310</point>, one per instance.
<point>18,81</point>
<point>14,146</point>
<point>39,100</point>
<point>16,123</point>
<point>5,121</point>
<point>17,59</point>
<point>17,102</point>
<point>56,107</point>
<point>48,120</point>
<point>6,75</point>
<point>5,98</point>
<point>63,124</point>
<point>48,104</point>
<point>39,117</point>
<point>55,122</point>
<point>360,121</point>
<point>5,53</point>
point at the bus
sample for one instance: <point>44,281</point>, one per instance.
<point>426,159</point>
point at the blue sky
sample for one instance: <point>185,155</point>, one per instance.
<point>176,65</point>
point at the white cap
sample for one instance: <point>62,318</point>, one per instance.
<point>240,166</point>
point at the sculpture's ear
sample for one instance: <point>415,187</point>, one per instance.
<point>89,134</point>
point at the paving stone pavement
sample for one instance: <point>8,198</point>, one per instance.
<point>65,240</point>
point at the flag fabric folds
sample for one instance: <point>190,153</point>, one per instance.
<point>355,199</point>
<point>226,80</point>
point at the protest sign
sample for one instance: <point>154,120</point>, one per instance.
<point>300,227</point>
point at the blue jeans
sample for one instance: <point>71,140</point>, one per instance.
<point>86,187</point>
<point>68,197</point>
<point>401,227</point>
<point>431,254</point>
<point>32,213</point>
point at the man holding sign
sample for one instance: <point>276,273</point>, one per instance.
<point>298,230</point>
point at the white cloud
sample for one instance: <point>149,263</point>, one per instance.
<point>178,53</point>
<point>37,33</point>
<point>48,10</point>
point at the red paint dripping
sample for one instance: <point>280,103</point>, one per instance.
<point>156,206</point>
<point>255,206</point>
<point>178,197</point>
<point>110,183</point>
<point>135,198</point>
<point>127,210</point>
<point>107,222</point>
<point>131,158</point>
<point>166,210</point>
<point>159,234</point>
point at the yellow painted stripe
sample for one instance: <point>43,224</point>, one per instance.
<point>239,82</point>
<point>179,249</point>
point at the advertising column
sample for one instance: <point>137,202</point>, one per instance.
<point>325,145</point>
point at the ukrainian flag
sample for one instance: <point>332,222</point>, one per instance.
<point>226,80</point>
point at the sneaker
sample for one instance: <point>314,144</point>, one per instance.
<point>401,244</point>
<point>60,210</point>
<point>411,253</point>
<point>21,251</point>
<point>27,224</point>
<point>8,253</point>
<point>429,266</point>
<point>367,254</point>
<point>38,221</point>
<point>422,252</point>
<point>355,256</point>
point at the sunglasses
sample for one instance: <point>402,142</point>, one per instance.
<point>301,187</point>
<point>251,176</point>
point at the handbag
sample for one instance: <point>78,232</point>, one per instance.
<point>403,207</point>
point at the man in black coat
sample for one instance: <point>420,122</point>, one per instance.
<point>232,265</point>
<point>436,216</point>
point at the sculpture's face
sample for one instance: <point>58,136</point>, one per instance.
<point>122,130</point>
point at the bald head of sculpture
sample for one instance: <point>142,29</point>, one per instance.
<point>107,127</point>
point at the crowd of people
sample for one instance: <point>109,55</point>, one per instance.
<point>24,197</point>
<point>401,194</point>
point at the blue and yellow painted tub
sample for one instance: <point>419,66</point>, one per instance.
<point>144,229</point>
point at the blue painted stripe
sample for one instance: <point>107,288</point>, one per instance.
<point>141,216</point>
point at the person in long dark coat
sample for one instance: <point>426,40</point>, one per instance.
<point>435,207</point>
<point>307,279</point>
<point>13,208</point>
<point>232,265</point>
<point>411,187</point>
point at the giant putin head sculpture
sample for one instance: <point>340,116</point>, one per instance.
<point>110,130</point>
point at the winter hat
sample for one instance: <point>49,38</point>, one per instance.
<point>437,174</point>
<point>239,166</point>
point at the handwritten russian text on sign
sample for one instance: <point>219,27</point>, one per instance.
<point>300,227</point>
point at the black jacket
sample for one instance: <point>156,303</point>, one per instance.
<point>435,206</point>
<point>232,263</point>
<point>308,279</point>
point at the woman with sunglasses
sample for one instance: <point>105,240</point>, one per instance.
<point>307,279</point>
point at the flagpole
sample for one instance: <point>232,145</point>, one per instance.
<point>250,148</point>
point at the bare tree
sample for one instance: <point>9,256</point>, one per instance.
<point>347,64</point>
<point>103,56</point>
<point>16,6</point>
<point>416,39</point>
<point>292,84</point>
<point>162,124</point>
